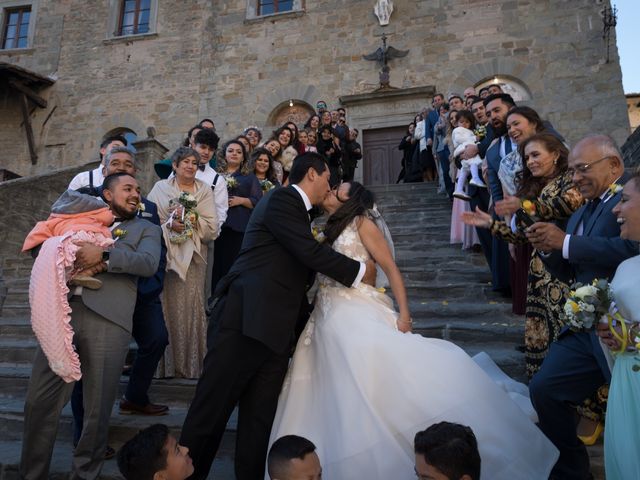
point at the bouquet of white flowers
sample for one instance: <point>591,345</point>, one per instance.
<point>185,211</point>
<point>587,304</point>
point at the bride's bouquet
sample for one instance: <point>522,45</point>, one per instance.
<point>587,304</point>
<point>185,210</point>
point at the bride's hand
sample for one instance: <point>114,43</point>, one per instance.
<point>404,323</point>
<point>477,218</point>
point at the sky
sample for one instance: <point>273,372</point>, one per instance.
<point>628,36</point>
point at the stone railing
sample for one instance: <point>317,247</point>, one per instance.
<point>25,201</point>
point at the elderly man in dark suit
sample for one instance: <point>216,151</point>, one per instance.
<point>252,325</point>
<point>102,323</point>
<point>590,248</point>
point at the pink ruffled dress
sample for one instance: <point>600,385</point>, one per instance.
<point>61,236</point>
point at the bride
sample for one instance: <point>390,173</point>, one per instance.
<point>361,386</point>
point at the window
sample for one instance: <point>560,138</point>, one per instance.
<point>16,27</point>
<point>258,10</point>
<point>268,7</point>
<point>134,17</point>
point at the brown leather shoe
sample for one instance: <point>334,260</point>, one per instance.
<point>151,409</point>
<point>109,453</point>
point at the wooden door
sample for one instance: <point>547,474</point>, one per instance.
<point>381,157</point>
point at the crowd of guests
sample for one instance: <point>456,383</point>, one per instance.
<point>200,208</point>
<point>544,215</point>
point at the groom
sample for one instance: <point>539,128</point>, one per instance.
<point>251,328</point>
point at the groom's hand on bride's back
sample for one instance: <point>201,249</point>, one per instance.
<point>370,274</point>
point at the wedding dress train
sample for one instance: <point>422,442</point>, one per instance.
<point>360,390</point>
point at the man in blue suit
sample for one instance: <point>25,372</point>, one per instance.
<point>591,247</point>
<point>496,109</point>
<point>430,128</point>
<point>149,329</point>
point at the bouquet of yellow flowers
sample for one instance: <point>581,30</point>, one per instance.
<point>188,215</point>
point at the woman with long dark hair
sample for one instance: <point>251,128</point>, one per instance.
<point>522,124</point>
<point>244,193</point>
<point>357,361</point>
<point>547,192</point>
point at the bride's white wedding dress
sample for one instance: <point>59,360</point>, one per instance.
<point>360,390</point>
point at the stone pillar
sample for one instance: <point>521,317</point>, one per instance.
<point>148,152</point>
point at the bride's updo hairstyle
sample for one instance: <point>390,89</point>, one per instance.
<point>360,200</point>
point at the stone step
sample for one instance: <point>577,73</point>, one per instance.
<point>62,456</point>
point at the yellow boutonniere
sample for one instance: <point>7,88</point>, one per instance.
<point>119,233</point>
<point>141,207</point>
<point>615,188</point>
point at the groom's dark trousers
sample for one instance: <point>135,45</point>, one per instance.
<point>575,366</point>
<point>251,331</point>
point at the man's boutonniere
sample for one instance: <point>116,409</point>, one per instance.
<point>529,207</point>
<point>232,183</point>
<point>615,188</point>
<point>318,234</point>
<point>141,208</point>
<point>119,233</point>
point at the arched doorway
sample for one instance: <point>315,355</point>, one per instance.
<point>127,133</point>
<point>296,111</point>
<point>511,85</point>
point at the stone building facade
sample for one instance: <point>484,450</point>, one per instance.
<point>633,104</point>
<point>223,60</point>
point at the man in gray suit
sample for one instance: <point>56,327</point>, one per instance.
<point>102,321</point>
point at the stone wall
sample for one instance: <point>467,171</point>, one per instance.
<point>207,59</point>
<point>25,201</point>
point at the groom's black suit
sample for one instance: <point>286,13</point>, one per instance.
<point>251,330</point>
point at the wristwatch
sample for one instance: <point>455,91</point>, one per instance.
<point>105,256</point>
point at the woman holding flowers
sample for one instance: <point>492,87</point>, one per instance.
<point>189,221</point>
<point>547,192</point>
<point>621,333</point>
<point>262,166</point>
<point>244,192</point>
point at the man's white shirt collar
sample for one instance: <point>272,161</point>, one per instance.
<point>305,198</point>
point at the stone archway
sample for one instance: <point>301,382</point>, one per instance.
<point>523,77</point>
<point>294,110</point>
<point>282,96</point>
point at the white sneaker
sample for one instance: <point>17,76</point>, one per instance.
<point>477,183</point>
<point>462,196</point>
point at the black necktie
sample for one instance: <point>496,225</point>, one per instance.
<point>588,211</point>
<point>507,146</point>
<point>201,167</point>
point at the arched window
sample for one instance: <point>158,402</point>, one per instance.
<point>127,133</point>
<point>296,111</point>
<point>511,85</point>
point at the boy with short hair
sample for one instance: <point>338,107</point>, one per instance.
<point>292,457</point>
<point>154,454</point>
<point>447,451</point>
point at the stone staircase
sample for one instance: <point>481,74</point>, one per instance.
<point>450,297</point>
